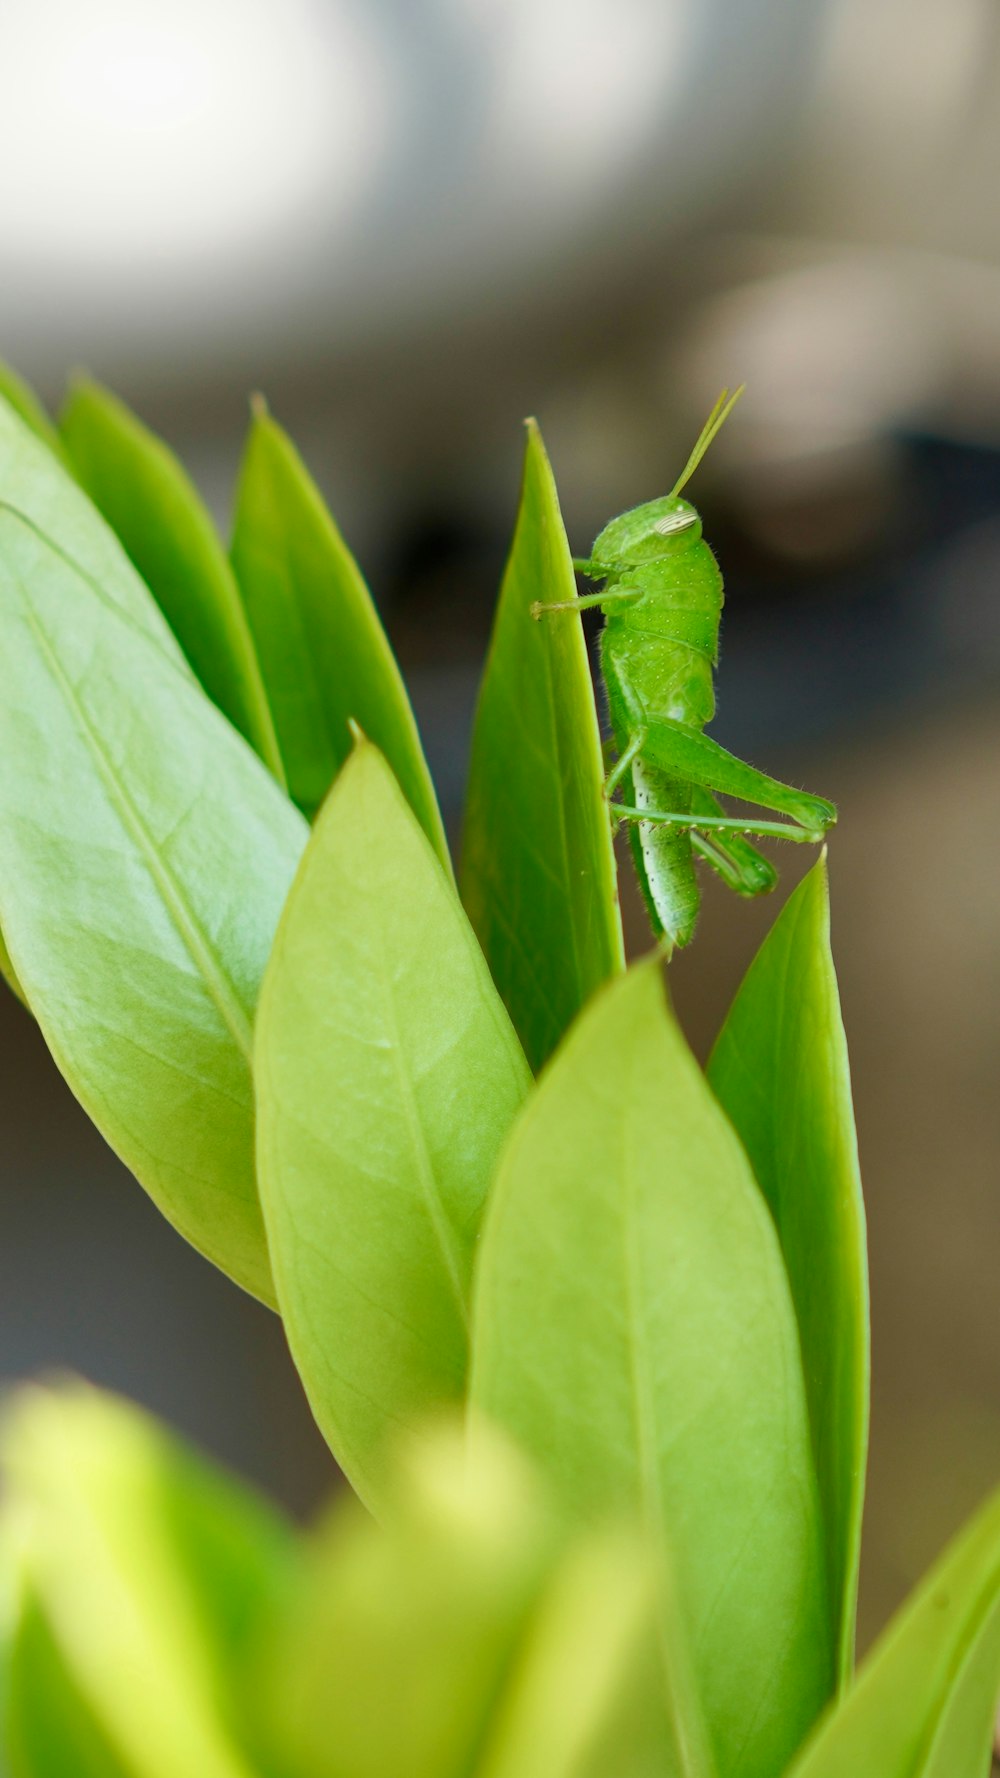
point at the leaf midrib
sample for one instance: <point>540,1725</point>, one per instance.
<point>429,1190</point>
<point>219,988</point>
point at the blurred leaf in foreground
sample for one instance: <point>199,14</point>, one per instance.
<point>148,1579</point>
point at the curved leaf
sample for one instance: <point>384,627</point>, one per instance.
<point>387,1078</point>
<point>634,1329</point>
<point>9,973</point>
<point>150,1578</point>
<point>143,491</point>
<point>323,652</point>
<point>145,855</point>
<point>925,1699</point>
<point>538,869</point>
<point>780,1072</point>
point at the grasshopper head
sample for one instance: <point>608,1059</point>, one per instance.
<point>647,533</point>
<point>650,532</point>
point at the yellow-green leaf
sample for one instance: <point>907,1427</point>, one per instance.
<point>538,870</point>
<point>925,1699</point>
<point>323,652</point>
<point>22,398</point>
<point>145,854</point>
<point>9,973</point>
<point>37,486</point>
<point>780,1071</point>
<point>49,1729</point>
<point>154,1578</point>
<point>145,493</point>
<point>395,1654</point>
<point>633,1328</point>
<point>387,1078</point>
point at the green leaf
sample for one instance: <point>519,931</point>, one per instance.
<point>393,1658</point>
<point>387,1078</point>
<point>925,1699</point>
<point>145,854</point>
<point>144,492</point>
<point>24,401</point>
<point>323,652</point>
<point>9,973</point>
<point>49,1728</point>
<point>634,1329</point>
<point>156,1578</point>
<point>35,484</point>
<point>566,1688</point>
<point>538,869</point>
<point>780,1071</point>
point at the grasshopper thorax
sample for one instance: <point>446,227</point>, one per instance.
<point>648,533</point>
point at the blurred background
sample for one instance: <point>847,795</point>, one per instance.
<point>411,223</point>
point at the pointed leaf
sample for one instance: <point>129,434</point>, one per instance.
<point>925,1699</point>
<point>36,485</point>
<point>22,398</point>
<point>156,1577</point>
<point>780,1071</point>
<point>538,870</point>
<point>323,652</point>
<point>634,1329</point>
<point>145,854</point>
<point>144,492</point>
<point>387,1078</point>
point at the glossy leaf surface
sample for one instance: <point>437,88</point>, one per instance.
<point>155,1576</point>
<point>156,511</point>
<point>323,652</point>
<point>538,870</point>
<point>145,854</point>
<point>634,1329</point>
<point>780,1071</point>
<point>925,1699</point>
<point>387,1078</point>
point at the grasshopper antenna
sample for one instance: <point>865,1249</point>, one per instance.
<point>716,419</point>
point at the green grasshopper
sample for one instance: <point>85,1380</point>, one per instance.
<point>662,602</point>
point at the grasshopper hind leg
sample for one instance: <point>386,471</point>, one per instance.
<point>740,865</point>
<point>663,857</point>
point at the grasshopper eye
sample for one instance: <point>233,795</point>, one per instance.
<point>674,522</point>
